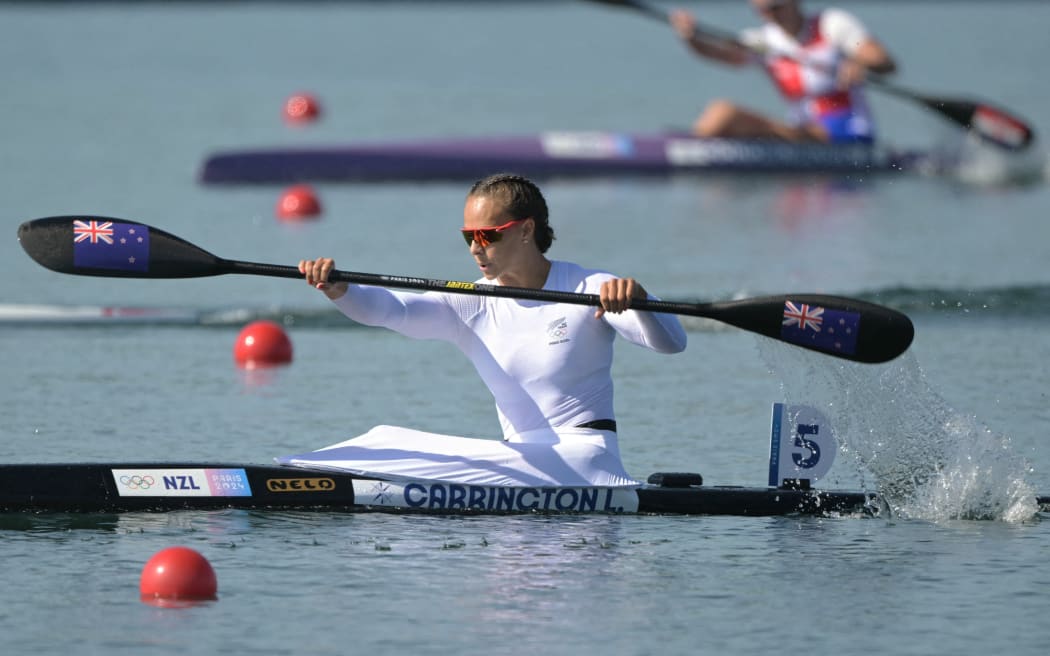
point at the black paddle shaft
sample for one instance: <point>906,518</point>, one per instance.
<point>101,246</point>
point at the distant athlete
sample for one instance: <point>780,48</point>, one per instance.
<point>818,62</point>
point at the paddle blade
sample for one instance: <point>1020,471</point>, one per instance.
<point>998,127</point>
<point>843,327</point>
<point>100,246</point>
<point>992,124</point>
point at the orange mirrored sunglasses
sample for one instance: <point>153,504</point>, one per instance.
<point>486,236</point>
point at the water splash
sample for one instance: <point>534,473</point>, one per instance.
<point>926,459</point>
<point>968,160</point>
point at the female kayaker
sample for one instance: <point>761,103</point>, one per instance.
<point>548,365</point>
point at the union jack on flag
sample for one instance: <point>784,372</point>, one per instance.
<point>113,245</point>
<point>803,316</point>
<point>815,327</point>
<point>93,231</point>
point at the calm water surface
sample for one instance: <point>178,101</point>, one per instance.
<point>110,109</point>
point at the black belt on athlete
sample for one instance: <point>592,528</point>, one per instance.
<point>600,424</point>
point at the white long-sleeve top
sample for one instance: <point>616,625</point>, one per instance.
<point>548,365</point>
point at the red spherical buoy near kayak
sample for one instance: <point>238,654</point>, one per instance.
<point>177,574</point>
<point>301,108</point>
<point>298,202</point>
<point>262,344</point>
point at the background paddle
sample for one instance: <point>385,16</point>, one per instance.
<point>992,124</point>
<point>100,246</point>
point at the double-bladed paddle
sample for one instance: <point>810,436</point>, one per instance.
<point>992,124</point>
<point>100,246</point>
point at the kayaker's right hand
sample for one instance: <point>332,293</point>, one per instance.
<point>316,273</point>
<point>683,23</point>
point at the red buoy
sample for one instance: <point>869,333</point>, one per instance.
<point>301,108</point>
<point>262,344</point>
<point>177,574</point>
<point>298,202</point>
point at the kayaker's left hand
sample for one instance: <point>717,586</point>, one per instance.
<point>616,295</point>
<point>851,73</point>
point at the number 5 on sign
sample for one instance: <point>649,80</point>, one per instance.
<point>802,445</point>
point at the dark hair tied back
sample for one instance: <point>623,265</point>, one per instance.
<point>522,199</point>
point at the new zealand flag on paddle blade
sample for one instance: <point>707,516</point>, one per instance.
<point>101,244</point>
<point>833,331</point>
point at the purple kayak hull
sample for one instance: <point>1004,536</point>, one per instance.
<point>546,155</point>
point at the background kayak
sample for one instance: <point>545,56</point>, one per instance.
<point>550,154</point>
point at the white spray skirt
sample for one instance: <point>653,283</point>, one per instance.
<point>570,457</point>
